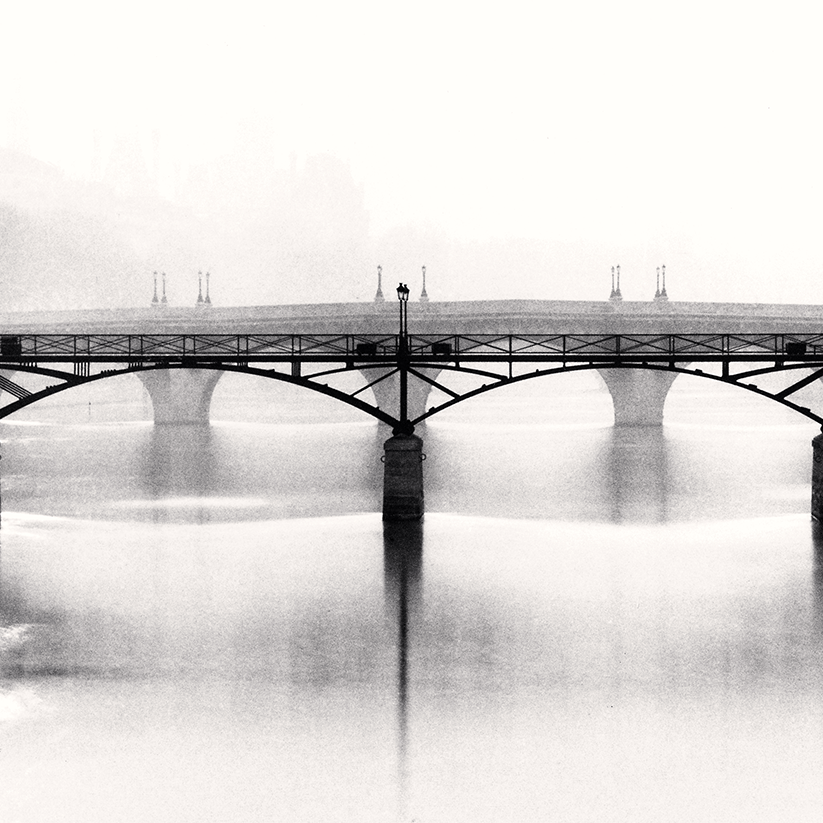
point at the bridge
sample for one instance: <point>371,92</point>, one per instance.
<point>638,349</point>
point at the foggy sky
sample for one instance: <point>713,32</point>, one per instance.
<point>516,150</point>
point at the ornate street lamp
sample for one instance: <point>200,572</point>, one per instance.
<point>403,297</point>
<point>403,360</point>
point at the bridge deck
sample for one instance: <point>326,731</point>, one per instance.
<point>156,349</point>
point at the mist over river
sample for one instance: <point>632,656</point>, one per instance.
<point>591,623</point>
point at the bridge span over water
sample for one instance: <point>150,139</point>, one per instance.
<point>637,348</point>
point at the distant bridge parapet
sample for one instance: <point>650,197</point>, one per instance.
<point>476,316</point>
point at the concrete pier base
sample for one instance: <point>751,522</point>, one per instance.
<point>817,478</point>
<point>403,478</point>
<point>180,395</point>
<point>638,395</point>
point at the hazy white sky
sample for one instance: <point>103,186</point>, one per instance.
<point>692,129</point>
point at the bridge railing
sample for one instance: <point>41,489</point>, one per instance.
<point>586,346</point>
<point>146,349</point>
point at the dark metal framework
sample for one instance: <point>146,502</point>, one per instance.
<point>497,359</point>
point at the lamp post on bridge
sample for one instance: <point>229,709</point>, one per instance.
<point>403,297</point>
<point>403,458</point>
<point>403,359</point>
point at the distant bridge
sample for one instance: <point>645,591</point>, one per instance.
<point>475,316</point>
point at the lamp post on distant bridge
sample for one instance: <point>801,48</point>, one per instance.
<point>378,297</point>
<point>424,296</point>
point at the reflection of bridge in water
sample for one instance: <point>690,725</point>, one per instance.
<point>404,379</point>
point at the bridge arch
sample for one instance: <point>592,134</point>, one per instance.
<point>186,402</point>
<point>638,390</point>
<point>639,401</point>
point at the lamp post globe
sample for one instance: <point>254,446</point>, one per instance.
<point>403,297</point>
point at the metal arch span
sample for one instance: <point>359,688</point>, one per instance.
<point>69,380</point>
<point>497,381</point>
<point>307,360</point>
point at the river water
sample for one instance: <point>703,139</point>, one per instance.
<point>590,624</point>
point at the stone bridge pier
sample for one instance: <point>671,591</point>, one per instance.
<point>180,396</point>
<point>638,395</point>
<point>403,453</point>
<point>403,477</point>
<point>817,479</point>
<point>387,392</point>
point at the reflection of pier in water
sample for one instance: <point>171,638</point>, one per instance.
<point>817,572</point>
<point>180,462</point>
<point>402,565</point>
<point>638,474</point>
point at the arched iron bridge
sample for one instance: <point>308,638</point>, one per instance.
<point>494,360</point>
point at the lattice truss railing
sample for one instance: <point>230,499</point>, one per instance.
<point>456,365</point>
<point>242,348</point>
<point>738,359</point>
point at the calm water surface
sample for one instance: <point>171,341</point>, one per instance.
<point>591,624</point>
